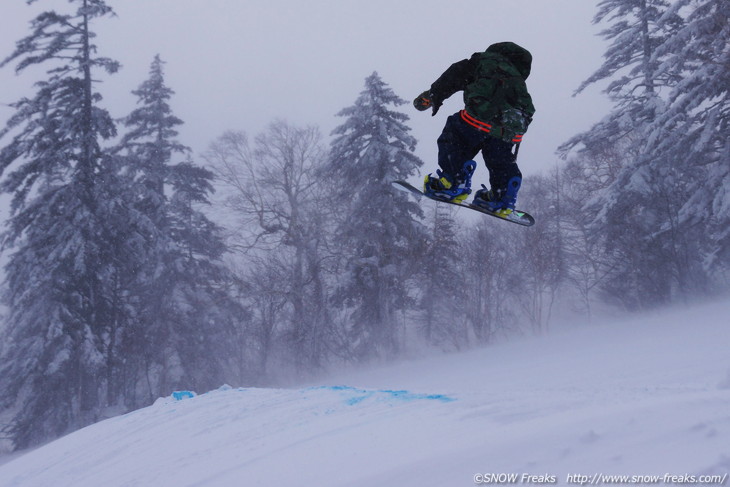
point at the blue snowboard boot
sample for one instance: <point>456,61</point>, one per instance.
<point>500,201</point>
<point>453,188</point>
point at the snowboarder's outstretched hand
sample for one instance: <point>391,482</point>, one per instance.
<point>424,101</point>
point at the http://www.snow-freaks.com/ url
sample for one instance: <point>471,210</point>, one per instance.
<point>600,479</point>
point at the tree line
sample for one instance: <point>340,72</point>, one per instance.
<point>126,280</point>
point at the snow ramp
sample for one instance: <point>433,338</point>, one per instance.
<point>644,401</point>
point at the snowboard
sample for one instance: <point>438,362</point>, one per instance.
<point>517,216</point>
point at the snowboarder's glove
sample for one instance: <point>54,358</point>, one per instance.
<point>423,101</point>
<point>426,100</point>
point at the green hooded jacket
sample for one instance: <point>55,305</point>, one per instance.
<point>495,92</point>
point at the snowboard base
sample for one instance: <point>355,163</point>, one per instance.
<point>517,216</point>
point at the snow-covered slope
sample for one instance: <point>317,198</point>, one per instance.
<point>650,397</point>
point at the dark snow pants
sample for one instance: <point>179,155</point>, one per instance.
<point>460,142</point>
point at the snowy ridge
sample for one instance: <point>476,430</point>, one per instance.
<point>650,397</point>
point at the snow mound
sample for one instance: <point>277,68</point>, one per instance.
<point>644,398</point>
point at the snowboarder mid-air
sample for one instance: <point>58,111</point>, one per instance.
<point>497,111</point>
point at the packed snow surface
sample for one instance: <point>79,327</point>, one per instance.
<point>646,399</point>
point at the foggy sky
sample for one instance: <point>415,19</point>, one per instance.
<point>239,64</point>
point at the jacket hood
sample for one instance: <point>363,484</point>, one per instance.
<point>519,56</point>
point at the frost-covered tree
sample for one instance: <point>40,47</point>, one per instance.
<point>487,290</point>
<point>539,261</point>
<point>378,226</point>
<point>283,213</point>
<point>179,333</point>
<point>53,372</point>
<point>587,264</point>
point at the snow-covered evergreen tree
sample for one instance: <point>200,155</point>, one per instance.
<point>442,319</point>
<point>379,225</point>
<point>150,143</point>
<point>198,315</point>
<point>179,332</point>
<point>636,215</point>
<point>53,374</point>
<point>694,128</point>
<point>631,65</point>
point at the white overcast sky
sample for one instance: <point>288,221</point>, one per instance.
<point>239,64</point>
